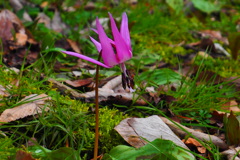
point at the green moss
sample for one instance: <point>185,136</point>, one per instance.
<point>223,67</point>
<point>109,138</point>
<point>6,148</point>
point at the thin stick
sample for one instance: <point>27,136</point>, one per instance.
<point>96,113</point>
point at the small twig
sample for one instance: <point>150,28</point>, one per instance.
<point>113,83</point>
<point>202,136</point>
<point>232,153</point>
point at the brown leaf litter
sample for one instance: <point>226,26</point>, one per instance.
<point>28,106</point>
<point>16,40</point>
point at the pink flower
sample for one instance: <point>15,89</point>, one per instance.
<point>113,52</point>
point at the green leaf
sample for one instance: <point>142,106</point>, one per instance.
<point>159,148</point>
<point>64,153</point>
<point>54,50</point>
<point>38,151</point>
<point>176,5</point>
<point>206,6</point>
<point>232,129</point>
<point>160,76</point>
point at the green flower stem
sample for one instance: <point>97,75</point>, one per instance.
<point>96,113</point>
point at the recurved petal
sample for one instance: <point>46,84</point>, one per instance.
<point>86,58</point>
<point>123,52</point>
<point>97,44</point>
<point>109,58</point>
<point>125,31</point>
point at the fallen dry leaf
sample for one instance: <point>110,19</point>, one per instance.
<point>191,142</point>
<point>231,106</point>
<point>22,155</point>
<point>74,46</point>
<point>21,38</point>
<point>128,134</point>
<point>150,128</point>
<point>9,22</point>
<point>33,105</point>
<point>217,118</point>
<point>8,19</point>
<point>16,40</point>
<point>80,82</point>
<point>214,35</point>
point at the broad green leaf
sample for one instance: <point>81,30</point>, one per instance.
<point>176,5</point>
<point>63,153</point>
<point>159,148</point>
<point>206,6</point>
<point>38,151</point>
<point>160,76</point>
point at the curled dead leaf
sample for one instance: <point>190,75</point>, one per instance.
<point>191,142</point>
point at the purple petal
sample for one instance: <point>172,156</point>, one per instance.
<point>97,44</point>
<point>123,52</point>
<point>111,41</point>
<point>86,58</point>
<point>109,58</point>
<point>124,30</point>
